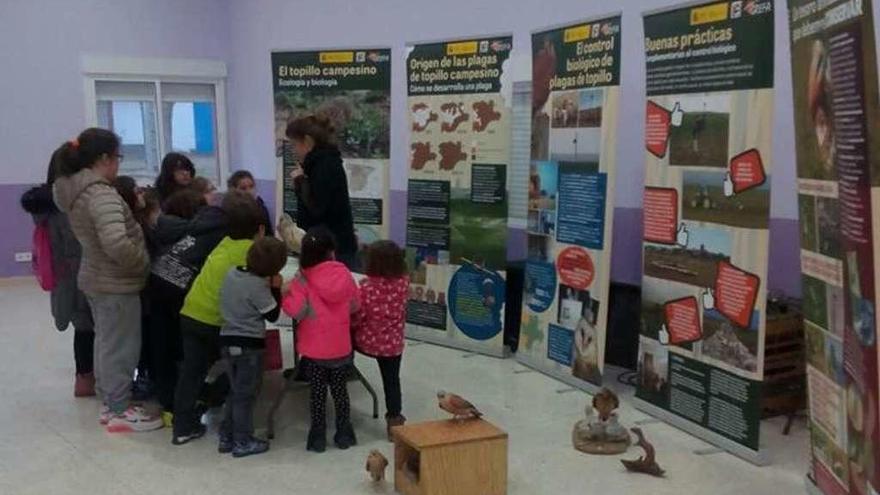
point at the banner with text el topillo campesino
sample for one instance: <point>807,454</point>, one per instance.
<point>353,89</point>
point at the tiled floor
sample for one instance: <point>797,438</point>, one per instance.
<point>50,443</point>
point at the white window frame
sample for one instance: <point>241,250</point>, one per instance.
<point>157,71</point>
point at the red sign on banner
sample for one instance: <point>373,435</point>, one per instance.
<point>735,293</point>
<point>747,171</point>
<point>660,214</point>
<point>576,268</point>
<point>657,129</point>
<point>683,320</point>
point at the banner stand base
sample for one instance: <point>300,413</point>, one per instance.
<point>758,458</point>
<point>575,382</point>
<point>462,346</point>
<point>811,487</point>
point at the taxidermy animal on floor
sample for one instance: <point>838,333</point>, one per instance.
<point>645,464</point>
<point>457,406</point>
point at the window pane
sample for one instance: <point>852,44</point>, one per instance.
<point>129,110</point>
<point>191,126</point>
<point>520,151</point>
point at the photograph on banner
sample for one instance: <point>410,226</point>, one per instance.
<point>575,97</point>
<point>459,102</point>
<point>352,88</point>
<point>708,165</point>
<point>835,98</point>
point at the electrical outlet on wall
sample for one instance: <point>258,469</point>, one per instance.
<point>23,257</point>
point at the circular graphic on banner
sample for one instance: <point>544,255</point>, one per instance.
<point>576,268</point>
<point>540,285</point>
<point>476,299</point>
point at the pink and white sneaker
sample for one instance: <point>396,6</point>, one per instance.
<point>105,415</point>
<point>134,419</point>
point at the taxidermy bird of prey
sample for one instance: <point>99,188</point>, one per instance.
<point>457,406</point>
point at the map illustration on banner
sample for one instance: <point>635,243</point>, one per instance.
<point>708,163</point>
<point>459,101</point>
<point>353,89</point>
<point>575,98</point>
<point>834,83</point>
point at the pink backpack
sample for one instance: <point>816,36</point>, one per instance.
<point>41,262</point>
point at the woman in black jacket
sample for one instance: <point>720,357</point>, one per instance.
<point>321,185</point>
<point>69,304</point>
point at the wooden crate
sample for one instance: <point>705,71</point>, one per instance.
<point>784,387</point>
<point>450,457</point>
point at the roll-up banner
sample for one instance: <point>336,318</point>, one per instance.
<point>459,101</point>
<point>708,149</point>
<point>834,84</point>
<point>575,98</point>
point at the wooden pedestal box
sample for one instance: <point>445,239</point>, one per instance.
<point>450,457</point>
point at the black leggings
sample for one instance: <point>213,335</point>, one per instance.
<point>84,351</point>
<point>336,378</point>
<point>166,345</point>
<point>389,366</point>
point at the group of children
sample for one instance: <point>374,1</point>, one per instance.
<point>215,280</point>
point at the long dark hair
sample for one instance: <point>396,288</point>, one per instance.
<point>318,127</point>
<point>84,151</point>
<point>318,246</point>
<point>185,203</point>
<point>127,188</point>
<point>172,162</point>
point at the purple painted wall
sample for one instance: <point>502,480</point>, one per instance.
<point>17,230</point>
<point>41,89</point>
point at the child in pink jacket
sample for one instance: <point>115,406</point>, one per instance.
<point>321,300</point>
<point>379,325</point>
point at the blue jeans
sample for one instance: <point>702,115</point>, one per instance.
<point>245,368</point>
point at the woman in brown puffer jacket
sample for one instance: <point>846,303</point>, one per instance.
<point>113,270</point>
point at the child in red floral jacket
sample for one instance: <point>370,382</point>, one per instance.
<point>379,324</point>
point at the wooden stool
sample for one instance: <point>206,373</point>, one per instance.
<point>450,457</point>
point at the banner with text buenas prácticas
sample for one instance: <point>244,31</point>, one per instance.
<point>575,99</point>
<point>353,89</point>
<point>708,148</point>
<point>459,105</point>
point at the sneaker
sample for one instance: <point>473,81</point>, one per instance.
<point>317,441</point>
<point>84,385</point>
<point>345,437</point>
<point>135,418</point>
<point>197,432</point>
<point>226,444</point>
<point>105,415</point>
<point>167,419</point>
<point>253,446</point>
